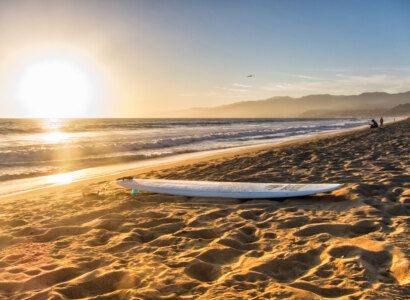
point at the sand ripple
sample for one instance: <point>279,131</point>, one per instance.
<point>104,243</point>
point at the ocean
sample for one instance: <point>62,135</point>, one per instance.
<point>38,147</point>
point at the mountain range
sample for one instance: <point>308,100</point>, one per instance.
<point>320,106</point>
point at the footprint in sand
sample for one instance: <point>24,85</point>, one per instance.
<point>359,228</point>
<point>286,267</point>
<point>203,271</point>
<point>221,256</point>
<point>98,282</point>
<point>203,233</point>
<point>56,232</point>
<point>208,217</point>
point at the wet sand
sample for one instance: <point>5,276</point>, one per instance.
<point>97,241</point>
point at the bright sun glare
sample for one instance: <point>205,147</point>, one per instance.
<point>55,87</point>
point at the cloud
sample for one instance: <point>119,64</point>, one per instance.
<point>298,85</point>
<point>309,77</point>
<point>241,85</point>
<point>302,76</point>
<point>233,89</point>
<point>342,84</point>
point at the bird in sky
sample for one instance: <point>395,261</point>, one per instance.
<point>250,75</point>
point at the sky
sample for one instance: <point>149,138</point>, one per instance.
<point>143,56</point>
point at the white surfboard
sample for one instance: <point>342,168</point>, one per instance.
<point>243,190</point>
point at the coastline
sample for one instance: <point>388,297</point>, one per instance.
<point>98,241</point>
<point>49,183</point>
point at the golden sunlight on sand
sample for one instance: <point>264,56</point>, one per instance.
<point>99,241</point>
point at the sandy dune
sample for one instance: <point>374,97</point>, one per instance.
<point>100,242</point>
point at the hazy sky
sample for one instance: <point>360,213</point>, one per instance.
<point>145,56</point>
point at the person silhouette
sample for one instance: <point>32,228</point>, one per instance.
<point>381,121</point>
<point>373,124</point>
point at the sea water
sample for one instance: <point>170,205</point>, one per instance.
<point>37,147</point>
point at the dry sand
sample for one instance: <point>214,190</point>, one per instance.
<point>97,241</point>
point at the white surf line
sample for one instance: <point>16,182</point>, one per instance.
<point>21,186</point>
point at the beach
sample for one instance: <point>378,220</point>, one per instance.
<point>96,240</point>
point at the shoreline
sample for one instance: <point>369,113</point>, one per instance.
<point>99,241</point>
<point>70,148</point>
<point>50,183</point>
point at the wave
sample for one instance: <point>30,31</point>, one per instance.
<point>35,126</point>
<point>25,157</point>
<point>73,152</point>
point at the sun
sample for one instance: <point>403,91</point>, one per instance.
<point>54,87</point>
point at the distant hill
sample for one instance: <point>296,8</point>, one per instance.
<point>328,113</point>
<point>399,110</point>
<point>308,106</point>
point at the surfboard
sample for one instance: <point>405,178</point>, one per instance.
<point>241,190</point>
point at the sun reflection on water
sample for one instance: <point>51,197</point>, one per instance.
<point>54,135</point>
<point>52,123</point>
<point>63,178</point>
